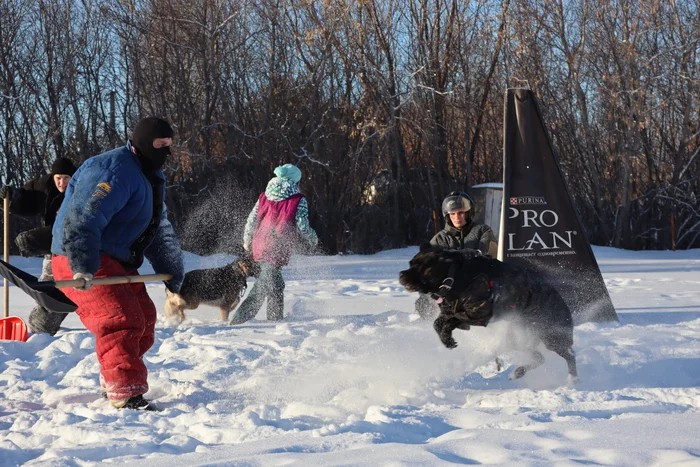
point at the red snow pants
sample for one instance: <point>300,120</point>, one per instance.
<point>122,317</point>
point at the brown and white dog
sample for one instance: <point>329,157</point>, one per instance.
<point>222,287</point>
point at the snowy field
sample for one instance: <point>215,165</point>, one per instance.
<point>354,377</point>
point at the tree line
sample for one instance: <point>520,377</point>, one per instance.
<point>385,105</point>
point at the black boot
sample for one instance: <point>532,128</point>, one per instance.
<point>135,403</point>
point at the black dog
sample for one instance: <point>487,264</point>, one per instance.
<point>474,291</point>
<point>222,287</point>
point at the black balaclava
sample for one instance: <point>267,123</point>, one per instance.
<point>148,129</point>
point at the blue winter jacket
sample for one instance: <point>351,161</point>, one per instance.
<point>108,205</point>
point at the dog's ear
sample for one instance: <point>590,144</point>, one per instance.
<point>253,267</point>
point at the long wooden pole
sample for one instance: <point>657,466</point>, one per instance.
<point>6,247</point>
<point>673,232</point>
<point>103,281</point>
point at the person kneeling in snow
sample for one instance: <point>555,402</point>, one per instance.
<point>275,226</point>
<point>114,214</point>
<point>41,197</point>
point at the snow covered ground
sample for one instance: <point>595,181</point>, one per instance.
<point>354,377</point>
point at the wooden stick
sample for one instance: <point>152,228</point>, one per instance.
<point>6,247</point>
<point>673,232</point>
<point>102,281</point>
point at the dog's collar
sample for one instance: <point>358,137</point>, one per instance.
<point>447,284</point>
<point>449,281</point>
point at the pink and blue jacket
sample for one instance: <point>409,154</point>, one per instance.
<point>278,222</point>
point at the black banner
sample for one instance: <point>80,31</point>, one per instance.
<point>539,225</point>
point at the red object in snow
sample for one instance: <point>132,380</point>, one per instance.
<point>13,328</point>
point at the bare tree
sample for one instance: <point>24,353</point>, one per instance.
<point>385,105</point>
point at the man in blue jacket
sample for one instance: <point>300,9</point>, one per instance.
<point>112,216</point>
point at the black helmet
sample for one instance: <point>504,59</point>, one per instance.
<point>458,201</point>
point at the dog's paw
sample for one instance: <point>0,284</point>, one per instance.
<point>173,318</point>
<point>172,322</point>
<point>517,373</point>
<point>449,342</point>
<point>499,364</point>
<point>572,381</point>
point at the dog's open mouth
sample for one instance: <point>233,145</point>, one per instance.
<point>438,298</point>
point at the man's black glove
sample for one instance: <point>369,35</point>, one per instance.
<point>470,253</point>
<point>6,191</point>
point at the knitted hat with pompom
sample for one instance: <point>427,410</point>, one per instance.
<point>289,171</point>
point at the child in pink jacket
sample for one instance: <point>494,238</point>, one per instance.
<point>278,222</point>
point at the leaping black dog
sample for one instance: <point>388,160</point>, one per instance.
<point>475,291</point>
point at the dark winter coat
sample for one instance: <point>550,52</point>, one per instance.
<point>38,197</point>
<point>473,237</point>
<point>112,207</point>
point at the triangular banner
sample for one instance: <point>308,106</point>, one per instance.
<point>539,225</point>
